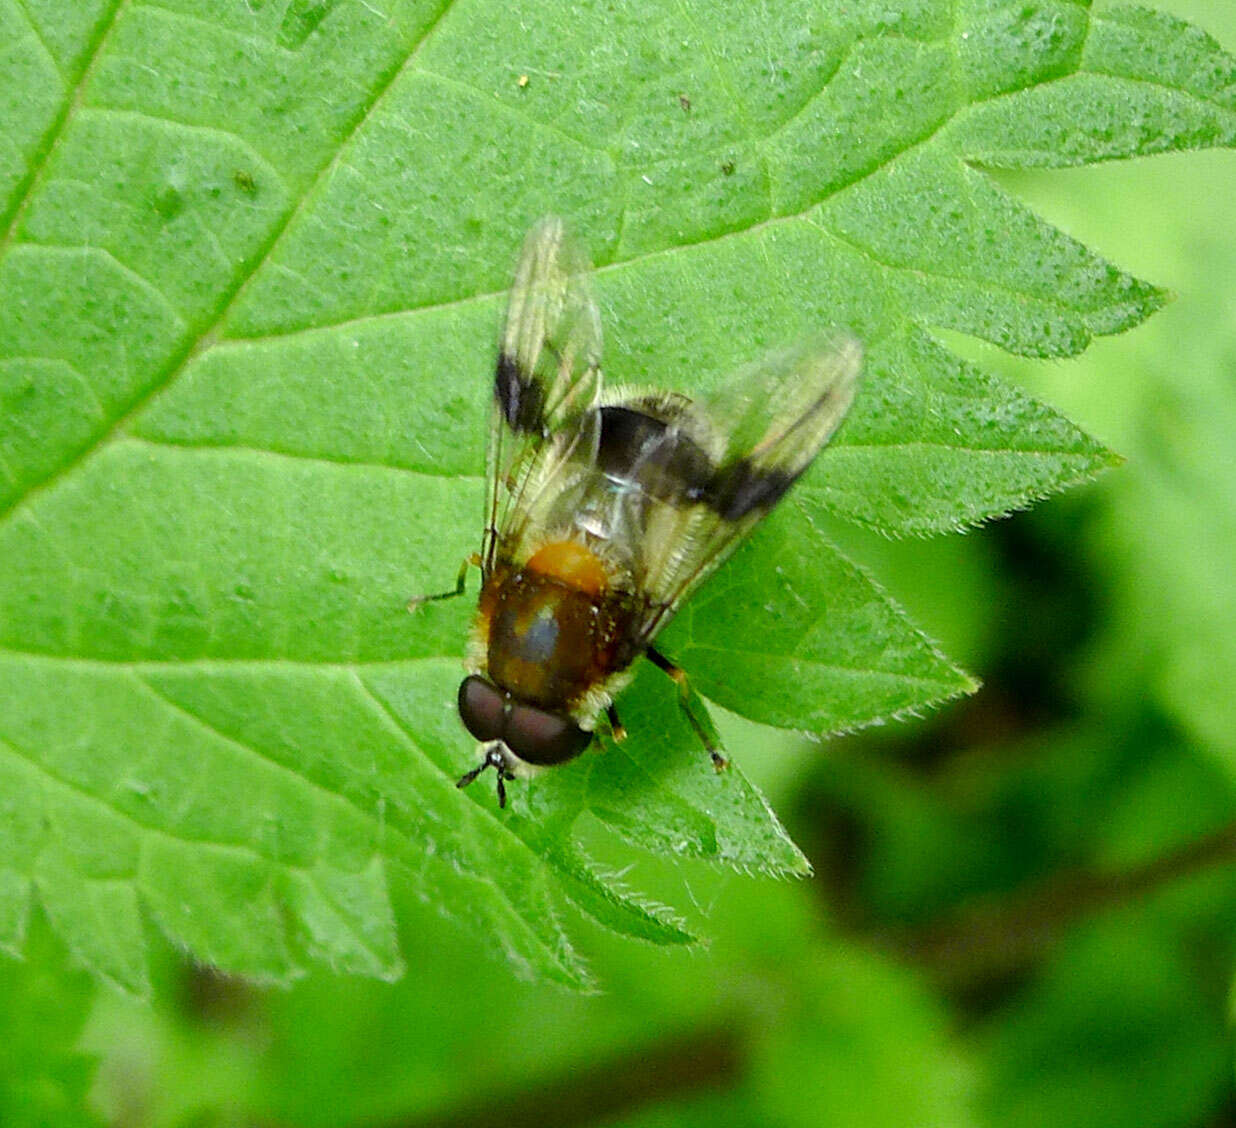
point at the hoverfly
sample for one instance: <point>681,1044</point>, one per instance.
<point>606,508</point>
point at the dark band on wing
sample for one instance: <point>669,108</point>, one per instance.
<point>520,396</point>
<point>665,462</point>
<point>742,487</point>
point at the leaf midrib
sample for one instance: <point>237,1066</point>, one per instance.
<point>813,663</point>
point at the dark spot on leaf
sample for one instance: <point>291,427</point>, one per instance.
<point>301,20</point>
<point>168,202</point>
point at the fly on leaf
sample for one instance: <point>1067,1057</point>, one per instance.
<point>607,507</point>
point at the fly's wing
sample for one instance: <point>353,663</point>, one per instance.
<point>719,466</point>
<point>547,380</point>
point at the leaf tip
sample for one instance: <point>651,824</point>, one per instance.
<point>802,866</point>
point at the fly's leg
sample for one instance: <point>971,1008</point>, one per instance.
<point>679,675</point>
<point>616,728</point>
<point>459,588</point>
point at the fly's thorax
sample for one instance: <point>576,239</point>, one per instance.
<point>554,631</point>
<point>546,639</point>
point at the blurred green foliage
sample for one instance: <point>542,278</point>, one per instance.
<point>1023,910</point>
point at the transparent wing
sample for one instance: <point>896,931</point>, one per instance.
<point>695,478</point>
<point>547,381</point>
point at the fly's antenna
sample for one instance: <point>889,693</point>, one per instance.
<point>493,759</point>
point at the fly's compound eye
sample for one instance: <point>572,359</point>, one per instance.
<point>481,708</point>
<point>535,736</point>
<point>541,738</point>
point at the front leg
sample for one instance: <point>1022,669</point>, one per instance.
<point>460,584</point>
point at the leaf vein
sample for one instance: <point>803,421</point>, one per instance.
<point>258,452</point>
<point>983,284</point>
<point>333,798</point>
<point>515,112</point>
<point>193,345</point>
<point>194,128</point>
<point>803,215</point>
<point>37,34</point>
<point>815,663</point>
<point>51,139</point>
<point>198,22</point>
<point>28,758</point>
<point>931,444</point>
<point>209,665</point>
<point>86,252</point>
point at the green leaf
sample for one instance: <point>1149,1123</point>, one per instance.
<point>831,651</point>
<point>45,1078</point>
<point>251,263</point>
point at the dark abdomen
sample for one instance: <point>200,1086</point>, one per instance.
<point>550,642</point>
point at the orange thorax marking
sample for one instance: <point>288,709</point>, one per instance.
<point>571,563</point>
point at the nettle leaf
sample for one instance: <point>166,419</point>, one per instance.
<point>250,276</point>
